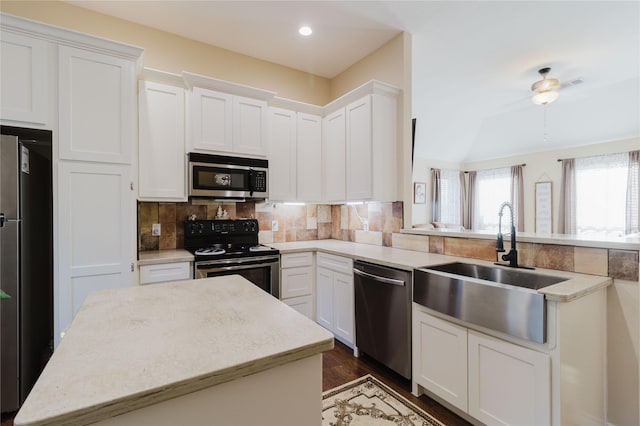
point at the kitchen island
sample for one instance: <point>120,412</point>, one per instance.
<point>210,351</point>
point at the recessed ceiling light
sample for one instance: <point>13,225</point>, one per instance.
<point>305,30</point>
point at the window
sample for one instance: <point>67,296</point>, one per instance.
<point>493,187</point>
<point>601,191</point>
<point>451,193</point>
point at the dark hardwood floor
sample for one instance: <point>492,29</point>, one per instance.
<point>339,366</point>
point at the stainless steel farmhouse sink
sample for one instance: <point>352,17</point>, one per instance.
<point>500,299</point>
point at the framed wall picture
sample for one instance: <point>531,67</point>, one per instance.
<point>419,193</point>
<point>544,210</point>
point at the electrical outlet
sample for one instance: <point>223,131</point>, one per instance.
<point>365,224</point>
<point>274,225</point>
<point>155,229</point>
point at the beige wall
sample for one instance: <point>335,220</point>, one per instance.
<point>168,52</point>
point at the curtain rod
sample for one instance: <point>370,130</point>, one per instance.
<point>522,165</point>
<point>467,171</point>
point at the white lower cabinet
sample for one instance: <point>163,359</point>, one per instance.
<point>440,358</point>
<point>335,296</point>
<point>494,381</point>
<point>296,282</point>
<point>162,272</point>
<point>508,384</point>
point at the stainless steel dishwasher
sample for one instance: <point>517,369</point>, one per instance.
<point>383,315</point>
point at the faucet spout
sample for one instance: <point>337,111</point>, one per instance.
<point>512,256</point>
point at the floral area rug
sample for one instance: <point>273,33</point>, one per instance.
<point>368,401</point>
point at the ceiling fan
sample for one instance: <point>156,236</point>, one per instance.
<point>546,90</point>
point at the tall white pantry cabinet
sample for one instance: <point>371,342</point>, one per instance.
<point>83,89</point>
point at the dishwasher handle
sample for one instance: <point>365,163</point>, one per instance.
<point>378,278</point>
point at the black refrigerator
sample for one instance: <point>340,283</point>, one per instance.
<point>26,261</point>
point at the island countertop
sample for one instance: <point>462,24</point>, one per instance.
<point>133,347</point>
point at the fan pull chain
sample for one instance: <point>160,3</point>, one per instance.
<point>544,136</point>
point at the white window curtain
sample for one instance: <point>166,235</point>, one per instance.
<point>567,211</point>
<point>601,194</point>
<point>446,196</point>
<point>517,196</point>
<point>632,222</point>
<point>492,188</point>
<point>435,195</point>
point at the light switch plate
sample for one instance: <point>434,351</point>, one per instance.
<point>274,225</point>
<point>155,229</point>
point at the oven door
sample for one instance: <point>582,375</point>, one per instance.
<point>263,271</point>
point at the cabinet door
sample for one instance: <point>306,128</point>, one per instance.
<point>324,298</point>
<point>508,384</point>
<point>303,304</point>
<point>440,358</point>
<point>95,233</point>
<point>161,145</point>
<point>24,78</point>
<point>359,150</point>
<point>96,106</point>
<point>249,126</point>
<point>297,282</point>
<point>334,156</point>
<point>282,154</point>
<point>211,120</point>
<point>309,157</point>
<point>343,302</point>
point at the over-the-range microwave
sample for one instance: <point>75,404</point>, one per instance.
<point>228,178</point>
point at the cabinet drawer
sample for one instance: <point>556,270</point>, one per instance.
<point>297,282</point>
<point>335,263</point>
<point>164,272</point>
<point>292,260</point>
<point>303,304</point>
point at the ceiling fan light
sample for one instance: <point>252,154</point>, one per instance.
<point>545,97</point>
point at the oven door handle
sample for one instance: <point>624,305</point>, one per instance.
<point>207,268</point>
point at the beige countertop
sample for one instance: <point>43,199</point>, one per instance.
<point>626,242</point>
<point>577,285</point>
<point>133,347</point>
<point>154,257</point>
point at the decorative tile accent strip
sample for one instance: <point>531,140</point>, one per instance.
<point>591,261</point>
<point>552,256</point>
<point>410,242</point>
<point>436,244</point>
<point>623,264</point>
<point>476,249</point>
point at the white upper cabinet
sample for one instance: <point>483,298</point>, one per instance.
<point>161,148</point>
<point>359,150</point>
<point>225,117</point>
<point>371,136</point>
<point>249,126</point>
<point>334,156</point>
<point>309,157</point>
<point>282,154</point>
<point>221,122</point>
<point>211,120</point>
<point>96,106</point>
<point>25,92</point>
<point>360,144</point>
<point>295,153</point>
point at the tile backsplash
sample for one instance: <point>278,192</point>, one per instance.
<point>372,223</point>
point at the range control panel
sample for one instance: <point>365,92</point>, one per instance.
<point>196,228</point>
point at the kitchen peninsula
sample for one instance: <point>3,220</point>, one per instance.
<point>186,352</point>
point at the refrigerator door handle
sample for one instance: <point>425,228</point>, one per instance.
<point>4,220</point>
